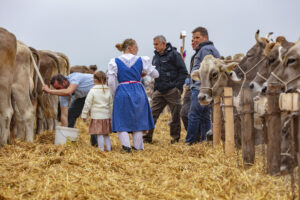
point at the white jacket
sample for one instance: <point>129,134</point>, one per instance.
<point>99,102</point>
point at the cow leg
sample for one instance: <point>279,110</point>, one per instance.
<point>25,108</point>
<point>5,119</point>
<point>40,120</point>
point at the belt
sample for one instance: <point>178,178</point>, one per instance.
<point>129,82</point>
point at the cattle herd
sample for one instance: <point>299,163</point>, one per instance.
<point>267,62</point>
<point>26,110</point>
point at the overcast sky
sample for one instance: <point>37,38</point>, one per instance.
<point>87,30</point>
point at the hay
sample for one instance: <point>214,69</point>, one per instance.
<point>42,170</point>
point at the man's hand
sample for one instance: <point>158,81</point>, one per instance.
<point>46,88</point>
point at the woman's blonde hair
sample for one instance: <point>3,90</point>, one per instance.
<point>123,46</point>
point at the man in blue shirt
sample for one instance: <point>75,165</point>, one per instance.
<point>199,115</point>
<point>74,88</point>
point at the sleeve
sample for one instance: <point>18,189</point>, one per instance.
<point>148,68</point>
<point>87,104</point>
<point>110,105</point>
<point>64,101</point>
<point>182,71</point>
<point>112,68</point>
<point>199,57</point>
<point>112,76</point>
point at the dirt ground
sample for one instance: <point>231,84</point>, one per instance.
<point>42,170</point>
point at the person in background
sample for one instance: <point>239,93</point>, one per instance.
<point>199,115</point>
<point>93,68</point>
<point>99,103</point>
<point>73,88</point>
<point>131,110</point>
<point>168,86</point>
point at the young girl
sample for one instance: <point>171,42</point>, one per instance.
<point>99,103</point>
<point>131,111</point>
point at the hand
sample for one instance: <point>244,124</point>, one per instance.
<point>46,88</point>
<point>83,119</point>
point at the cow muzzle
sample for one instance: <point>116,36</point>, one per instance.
<point>204,99</point>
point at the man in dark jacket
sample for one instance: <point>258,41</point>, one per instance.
<point>199,115</point>
<point>168,86</point>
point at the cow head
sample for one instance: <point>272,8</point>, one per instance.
<point>287,73</point>
<point>248,66</point>
<point>213,74</point>
<point>271,54</point>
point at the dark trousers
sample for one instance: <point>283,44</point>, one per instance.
<point>74,112</point>
<point>198,116</point>
<point>159,101</point>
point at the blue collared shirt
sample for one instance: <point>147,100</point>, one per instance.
<point>84,83</point>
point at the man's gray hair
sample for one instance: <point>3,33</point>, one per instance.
<point>160,38</point>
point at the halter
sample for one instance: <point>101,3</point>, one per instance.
<point>245,73</point>
<point>211,88</point>
<point>261,76</point>
<point>285,83</point>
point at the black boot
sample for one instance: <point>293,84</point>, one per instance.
<point>94,140</point>
<point>127,149</point>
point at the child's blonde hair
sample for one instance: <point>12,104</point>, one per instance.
<point>100,76</point>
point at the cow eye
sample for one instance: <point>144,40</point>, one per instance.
<point>290,61</point>
<point>214,75</point>
<point>271,60</point>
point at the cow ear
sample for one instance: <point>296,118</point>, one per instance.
<point>229,67</point>
<point>196,75</point>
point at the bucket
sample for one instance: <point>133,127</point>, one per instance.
<point>65,135</point>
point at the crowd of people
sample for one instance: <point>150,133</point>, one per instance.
<point>117,101</point>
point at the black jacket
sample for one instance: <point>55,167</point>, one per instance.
<point>171,68</point>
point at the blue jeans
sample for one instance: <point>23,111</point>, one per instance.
<point>198,116</point>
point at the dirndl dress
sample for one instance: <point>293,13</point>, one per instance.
<point>131,109</point>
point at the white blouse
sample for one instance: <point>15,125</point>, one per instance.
<point>129,60</point>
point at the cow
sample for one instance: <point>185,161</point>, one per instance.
<point>22,93</point>
<point>80,69</point>
<point>272,56</point>
<point>47,104</point>
<point>216,74</point>
<point>287,73</point>
<point>8,51</point>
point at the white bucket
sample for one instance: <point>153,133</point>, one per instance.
<point>64,134</point>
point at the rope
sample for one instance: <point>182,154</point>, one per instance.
<point>283,82</point>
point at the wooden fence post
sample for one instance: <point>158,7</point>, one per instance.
<point>274,128</point>
<point>217,122</point>
<point>229,122</point>
<point>248,139</point>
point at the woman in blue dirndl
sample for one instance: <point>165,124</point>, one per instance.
<point>131,110</point>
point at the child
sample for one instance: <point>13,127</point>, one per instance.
<point>99,103</point>
<point>131,112</point>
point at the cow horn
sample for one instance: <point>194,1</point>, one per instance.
<point>268,35</point>
<point>257,37</point>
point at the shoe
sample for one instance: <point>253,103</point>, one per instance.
<point>135,149</point>
<point>127,149</point>
<point>147,140</point>
<point>174,141</point>
<point>209,135</point>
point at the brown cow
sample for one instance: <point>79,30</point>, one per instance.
<point>22,88</point>
<point>47,104</point>
<point>80,69</point>
<point>272,56</point>
<point>8,50</point>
